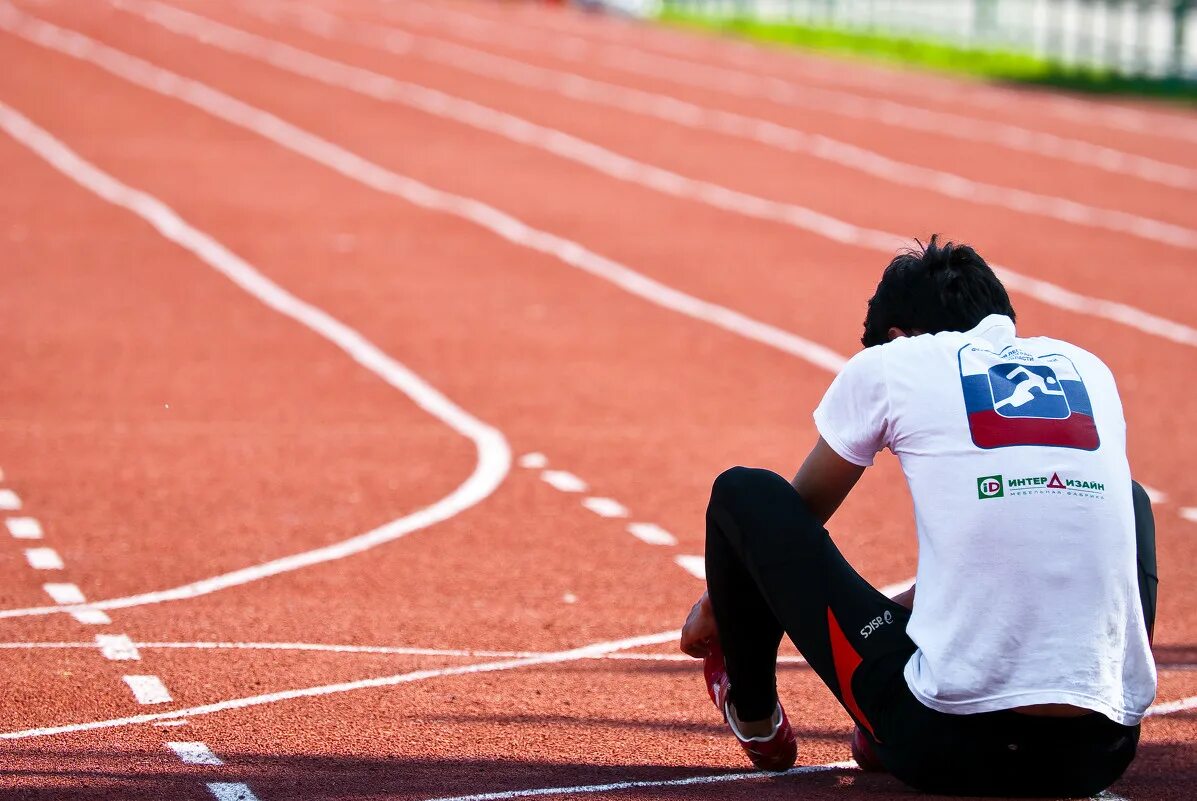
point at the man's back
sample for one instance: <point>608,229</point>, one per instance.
<point>1014,450</point>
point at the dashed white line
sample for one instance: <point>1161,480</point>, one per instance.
<point>193,753</point>
<point>605,507</point>
<point>651,533</point>
<point>1189,513</point>
<point>563,480</point>
<point>533,461</point>
<point>69,594</point>
<point>91,617</point>
<point>64,593</point>
<point>231,791</point>
<point>9,500</point>
<point>24,528</point>
<point>694,565</point>
<point>117,647</point>
<point>43,559</point>
<point>148,689</point>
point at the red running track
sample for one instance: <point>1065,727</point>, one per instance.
<point>169,437</point>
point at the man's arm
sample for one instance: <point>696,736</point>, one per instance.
<point>825,479</point>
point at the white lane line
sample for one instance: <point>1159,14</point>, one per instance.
<point>623,168</point>
<point>651,533</point>
<point>533,461</point>
<point>69,596</point>
<point>43,559</point>
<point>193,753</point>
<point>563,480</point>
<point>117,647</point>
<point>886,111</point>
<point>493,454</point>
<point>556,657</point>
<point>148,689</point>
<point>1189,513</point>
<point>24,528</point>
<point>693,116</point>
<point>1154,495</point>
<point>694,565</point>
<point>9,500</point>
<point>231,791</point>
<point>1180,705</point>
<point>718,778</point>
<point>605,507</point>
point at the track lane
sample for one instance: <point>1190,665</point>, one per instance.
<point>1093,174</point>
<point>464,108</point>
<point>736,284</point>
<point>1072,261</point>
<point>854,332</point>
<point>856,119</point>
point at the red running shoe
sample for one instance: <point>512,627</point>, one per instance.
<point>779,750</point>
<point>863,753</point>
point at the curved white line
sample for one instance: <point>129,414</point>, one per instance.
<point>494,456</point>
<point>370,174</point>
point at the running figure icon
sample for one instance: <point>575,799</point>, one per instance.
<point>1046,384</point>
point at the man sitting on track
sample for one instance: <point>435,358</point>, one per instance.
<point>1024,667</point>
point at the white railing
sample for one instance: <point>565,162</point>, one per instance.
<point>1153,38</point>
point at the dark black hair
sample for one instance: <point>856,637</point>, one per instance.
<point>934,288</point>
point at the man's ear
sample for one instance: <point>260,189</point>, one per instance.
<point>894,332</point>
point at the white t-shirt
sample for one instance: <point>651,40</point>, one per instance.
<point>1015,454</point>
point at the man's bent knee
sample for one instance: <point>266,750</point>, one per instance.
<point>737,484</point>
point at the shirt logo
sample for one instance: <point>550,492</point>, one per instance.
<point>1016,398</point>
<point>1044,483</point>
<point>990,487</point>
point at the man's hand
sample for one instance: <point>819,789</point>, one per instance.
<point>699,632</point>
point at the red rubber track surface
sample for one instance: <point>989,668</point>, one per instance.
<point>164,426</point>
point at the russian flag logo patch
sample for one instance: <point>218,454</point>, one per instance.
<point>1014,398</point>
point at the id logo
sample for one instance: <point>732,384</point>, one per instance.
<point>990,487</point>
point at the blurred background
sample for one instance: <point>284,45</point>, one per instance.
<point>1103,43</point>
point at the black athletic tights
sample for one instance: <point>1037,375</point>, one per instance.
<point>772,569</point>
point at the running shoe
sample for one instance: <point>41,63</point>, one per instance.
<point>775,752</point>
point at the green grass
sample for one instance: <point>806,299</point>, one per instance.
<point>993,65</point>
